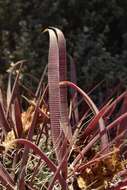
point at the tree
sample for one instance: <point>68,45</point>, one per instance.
<point>95,30</point>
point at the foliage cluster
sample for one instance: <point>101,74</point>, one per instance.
<point>55,145</point>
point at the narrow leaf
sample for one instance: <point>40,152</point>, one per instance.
<point>61,165</point>
<point>104,139</point>
<point>14,92</point>
<point>39,152</point>
<point>101,113</point>
<point>54,89</point>
<point>4,125</point>
<point>6,177</point>
<point>63,89</point>
<point>18,120</point>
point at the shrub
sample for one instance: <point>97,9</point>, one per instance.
<point>47,145</point>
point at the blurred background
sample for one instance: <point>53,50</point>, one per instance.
<point>95,30</point>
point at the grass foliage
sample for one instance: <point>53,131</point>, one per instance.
<point>53,138</point>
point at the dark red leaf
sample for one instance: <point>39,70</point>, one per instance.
<point>39,152</point>
<point>6,177</point>
<point>104,139</point>
<point>18,120</point>
<point>4,125</point>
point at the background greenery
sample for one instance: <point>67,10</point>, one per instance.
<point>96,33</point>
